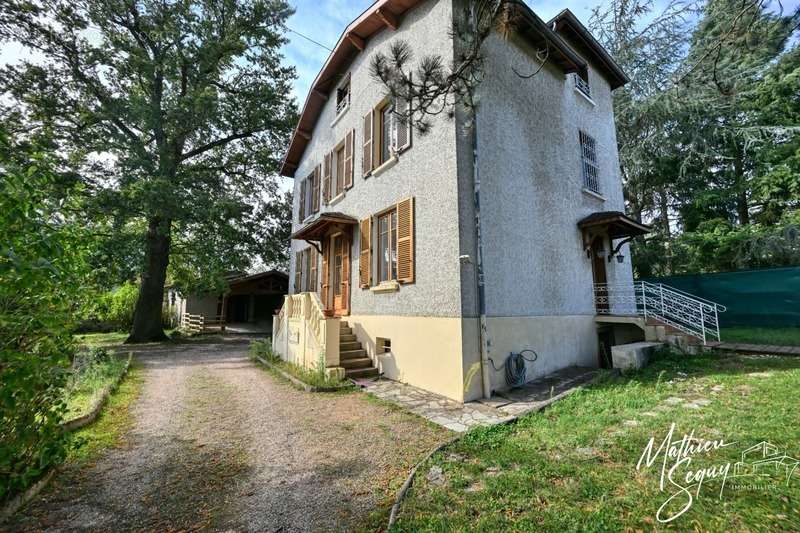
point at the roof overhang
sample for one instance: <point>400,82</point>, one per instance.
<point>381,14</point>
<point>322,225</point>
<point>615,224</point>
<point>540,35</point>
<point>567,23</point>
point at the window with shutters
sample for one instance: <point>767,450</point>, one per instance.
<point>387,133</point>
<point>338,169</point>
<point>591,174</point>
<point>309,195</point>
<point>390,234</point>
<point>306,273</point>
<point>387,246</point>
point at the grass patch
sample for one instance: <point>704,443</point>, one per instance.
<point>113,422</point>
<point>98,340</point>
<point>778,336</point>
<point>572,467</point>
<point>315,377</point>
<point>106,340</point>
<point>93,371</point>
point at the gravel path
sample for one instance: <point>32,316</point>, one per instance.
<point>219,444</point>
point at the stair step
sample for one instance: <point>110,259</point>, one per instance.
<point>349,346</point>
<point>360,362</point>
<point>361,372</point>
<point>352,354</point>
<point>347,338</point>
<point>345,331</point>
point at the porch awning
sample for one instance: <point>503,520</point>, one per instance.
<point>318,228</point>
<point>617,224</point>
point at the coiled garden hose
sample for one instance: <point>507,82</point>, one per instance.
<point>515,367</point>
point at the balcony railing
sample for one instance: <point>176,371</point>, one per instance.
<point>582,85</point>
<point>683,311</point>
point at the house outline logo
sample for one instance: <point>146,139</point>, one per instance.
<point>765,460</point>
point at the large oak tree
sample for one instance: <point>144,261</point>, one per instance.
<point>175,112</point>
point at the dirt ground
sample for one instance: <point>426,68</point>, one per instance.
<point>217,443</point>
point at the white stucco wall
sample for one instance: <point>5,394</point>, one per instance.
<point>426,171</point>
<point>538,277</point>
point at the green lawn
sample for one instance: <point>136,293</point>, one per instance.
<point>572,467</point>
<point>106,340</point>
<point>779,336</point>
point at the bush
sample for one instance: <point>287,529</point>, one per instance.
<point>111,310</point>
<point>41,273</point>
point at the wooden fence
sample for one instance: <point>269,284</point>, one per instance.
<point>199,323</point>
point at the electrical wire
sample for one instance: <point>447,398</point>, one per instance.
<point>306,37</point>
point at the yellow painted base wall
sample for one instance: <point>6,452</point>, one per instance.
<point>426,351</point>
<point>442,355</point>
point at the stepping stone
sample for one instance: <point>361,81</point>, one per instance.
<point>492,471</point>
<point>691,405</point>
<point>436,476</point>
<point>630,423</point>
<point>589,452</point>
<point>673,400</point>
<point>760,374</point>
<point>717,388</point>
<point>702,402</point>
<point>649,413</point>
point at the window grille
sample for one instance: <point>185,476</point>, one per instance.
<point>589,162</point>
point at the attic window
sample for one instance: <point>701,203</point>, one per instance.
<point>343,96</point>
<point>582,84</point>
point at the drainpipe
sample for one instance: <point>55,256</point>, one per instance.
<point>482,328</point>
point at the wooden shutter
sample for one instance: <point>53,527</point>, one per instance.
<point>325,286</point>
<point>405,241</point>
<point>313,280</point>
<point>365,254</point>
<point>298,269</point>
<point>303,185</point>
<point>348,159</point>
<point>366,160</point>
<point>326,179</point>
<point>346,244</point>
<point>315,190</point>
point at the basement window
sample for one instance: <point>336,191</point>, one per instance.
<point>383,345</point>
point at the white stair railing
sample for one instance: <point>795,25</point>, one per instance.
<point>685,312</point>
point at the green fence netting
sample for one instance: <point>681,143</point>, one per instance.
<point>768,297</point>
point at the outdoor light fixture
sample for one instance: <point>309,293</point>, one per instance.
<point>620,259</point>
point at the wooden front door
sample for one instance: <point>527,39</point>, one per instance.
<point>337,252</point>
<point>599,275</point>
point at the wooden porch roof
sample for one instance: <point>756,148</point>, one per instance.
<point>317,229</point>
<point>616,223</point>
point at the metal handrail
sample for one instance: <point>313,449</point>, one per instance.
<point>683,311</point>
<point>720,307</point>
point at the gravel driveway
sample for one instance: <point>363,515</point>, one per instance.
<point>217,443</point>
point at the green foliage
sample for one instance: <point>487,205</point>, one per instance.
<point>41,266</point>
<point>111,310</point>
<point>707,130</point>
<point>187,105</point>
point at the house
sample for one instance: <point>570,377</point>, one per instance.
<point>385,244</point>
<point>249,302</point>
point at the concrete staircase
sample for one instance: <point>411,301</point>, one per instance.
<point>352,356</point>
<point>657,331</point>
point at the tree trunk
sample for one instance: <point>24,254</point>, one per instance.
<point>742,204</point>
<point>147,316</point>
